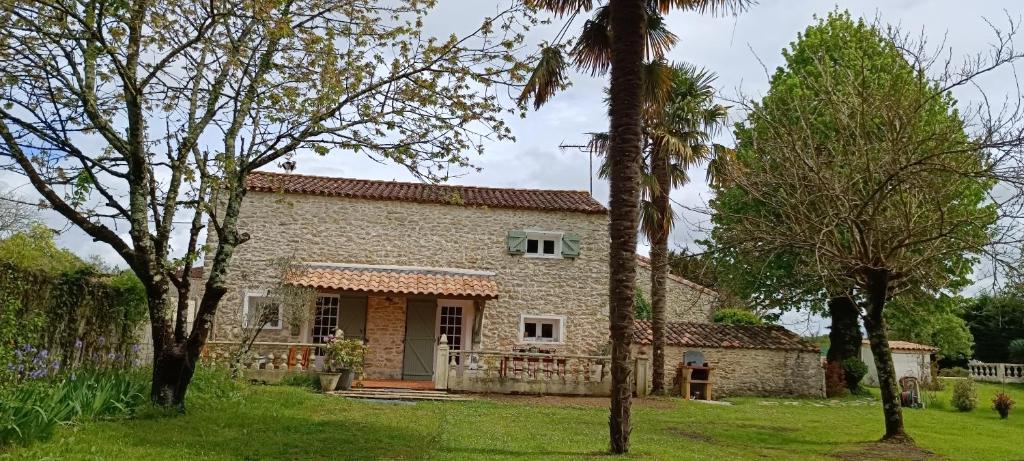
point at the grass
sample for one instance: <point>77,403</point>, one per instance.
<point>280,422</point>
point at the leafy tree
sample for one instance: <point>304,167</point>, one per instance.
<point>643,306</point>
<point>995,321</point>
<point>128,117</point>
<point>933,320</point>
<point>734,316</point>
<point>860,171</point>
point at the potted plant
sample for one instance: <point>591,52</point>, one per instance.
<point>344,357</point>
<point>1002,403</point>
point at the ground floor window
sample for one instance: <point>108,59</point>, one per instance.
<point>325,318</point>
<point>542,328</point>
<point>260,310</point>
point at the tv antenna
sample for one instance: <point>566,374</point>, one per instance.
<point>583,148</point>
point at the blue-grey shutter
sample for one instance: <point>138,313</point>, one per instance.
<point>516,242</point>
<point>570,245</point>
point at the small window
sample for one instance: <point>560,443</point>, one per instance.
<point>258,308</point>
<point>544,244</point>
<point>542,329</point>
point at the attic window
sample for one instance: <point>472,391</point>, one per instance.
<point>544,244</point>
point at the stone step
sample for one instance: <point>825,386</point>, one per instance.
<point>399,394</point>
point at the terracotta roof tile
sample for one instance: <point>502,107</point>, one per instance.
<point>907,346</point>
<point>396,279</point>
<point>528,199</point>
<point>714,335</point>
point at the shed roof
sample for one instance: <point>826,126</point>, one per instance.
<point>719,336</point>
<point>527,199</point>
<point>406,280</point>
<point>907,346</point>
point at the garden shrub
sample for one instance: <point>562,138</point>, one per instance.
<point>642,307</point>
<point>955,372</point>
<point>854,371</point>
<point>214,381</point>
<point>965,395</point>
<point>733,316</point>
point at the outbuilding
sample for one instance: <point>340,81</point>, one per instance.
<point>909,359</point>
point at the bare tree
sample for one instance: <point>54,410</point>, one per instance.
<point>15,214</point>
<point>131,116</point>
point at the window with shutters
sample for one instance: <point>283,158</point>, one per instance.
<point>548,329</point>
<point>543,244</point>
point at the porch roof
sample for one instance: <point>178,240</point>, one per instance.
<point>405,280</point>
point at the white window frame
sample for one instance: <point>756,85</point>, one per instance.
<point>245,309</point>
<point>558,320</point>
<point>540,237</point>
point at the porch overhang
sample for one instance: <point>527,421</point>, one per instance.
<point>399,280</point>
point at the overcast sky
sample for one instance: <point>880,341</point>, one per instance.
<point>733,47</point>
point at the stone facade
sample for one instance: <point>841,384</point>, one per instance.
<point>685,301</point>
<point>310,228</point>
<point>385,323</point>
<point>754,372</point>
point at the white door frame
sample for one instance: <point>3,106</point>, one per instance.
<point>467,306</point>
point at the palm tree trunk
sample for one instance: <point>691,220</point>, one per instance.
<point>874,323</point>
<point>659,265</point>
<point>627,26</point>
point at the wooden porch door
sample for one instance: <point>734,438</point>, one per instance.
<point>420,318</point>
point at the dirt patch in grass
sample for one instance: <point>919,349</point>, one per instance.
<point>689,435</point>
<point>764,427</point>
<point>887,451</point>
<point>660,403</point>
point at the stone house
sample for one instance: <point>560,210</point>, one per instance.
<point>401,265</point>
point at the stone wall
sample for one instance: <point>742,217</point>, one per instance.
<point>385,334</point>
<point>754,372</point>
<point>685,301</point>
<point>308,228</point>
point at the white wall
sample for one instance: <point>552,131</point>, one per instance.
<point>906,363</point>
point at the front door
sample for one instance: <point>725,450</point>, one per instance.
<point>420,317</point>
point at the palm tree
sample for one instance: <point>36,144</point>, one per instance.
<point>638,33</point>
<point>680,119</point>
<point>678,135</point>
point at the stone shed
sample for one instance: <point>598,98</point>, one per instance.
<point>768,361</point>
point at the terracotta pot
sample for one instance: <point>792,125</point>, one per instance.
<point>329,381</point>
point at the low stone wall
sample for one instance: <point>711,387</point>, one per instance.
<point>754,372</point>
<point>479,385</point>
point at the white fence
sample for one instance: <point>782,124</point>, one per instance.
<point>997,372</point>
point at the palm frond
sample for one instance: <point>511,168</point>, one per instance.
<point>561,7</point>
<point>593,49</point>
<point>657,86</point>
<point>659,39</point>
<point>713,7</point>
<point>548,77</point>
<point>722,166</point>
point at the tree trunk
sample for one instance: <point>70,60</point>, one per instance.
<point>844,334</point>
<point>659,267</point>
<point>627,26</point>
<point>874,323</point>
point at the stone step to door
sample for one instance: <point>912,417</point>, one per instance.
<point>399,394</point>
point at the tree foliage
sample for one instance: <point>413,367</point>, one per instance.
<point>733,316</point>
<point>136,120</point>
<point>995,320</point>
<point>857,171</point>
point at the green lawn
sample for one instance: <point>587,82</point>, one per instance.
<point>277,422</point>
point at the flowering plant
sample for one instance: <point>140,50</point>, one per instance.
<point>344,354</point>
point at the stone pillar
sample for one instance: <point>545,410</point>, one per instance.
<point>641,376</point>
<point>441,364</point>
